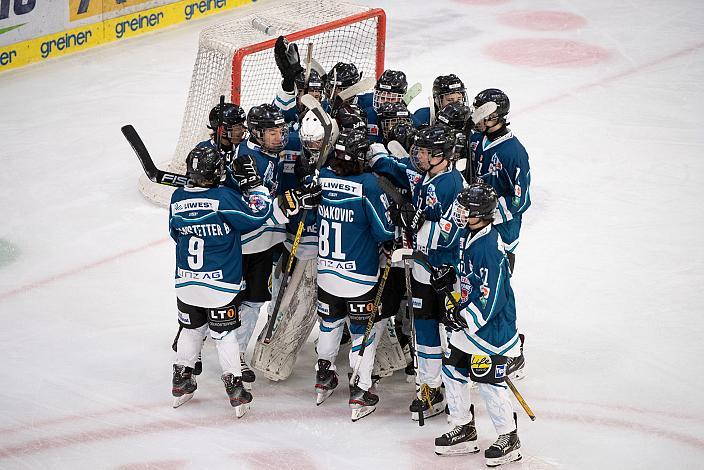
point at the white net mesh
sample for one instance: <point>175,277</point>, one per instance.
<point>234,49</point>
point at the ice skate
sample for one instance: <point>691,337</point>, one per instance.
<point>326,381</point>
<point>248,376</point>
<point>460,440</point>
<point>239,397</point>
<point>506,449</point>
<point>183,385</point>
<point>430,400</point>
<point>362,403</point>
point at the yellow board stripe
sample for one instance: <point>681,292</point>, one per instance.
<point>116,29</point>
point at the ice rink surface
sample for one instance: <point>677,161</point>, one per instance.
<point>607,98</point>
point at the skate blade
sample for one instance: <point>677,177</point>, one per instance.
<point>241,410</point>
<point>463,448</point>
<point>510,457</point>
<point>322,395</point>
<point>178,401</point>
<point>430,412</point>
<point>359,412</point>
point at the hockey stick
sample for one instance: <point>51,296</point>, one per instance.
<point>412,93</point>
<point>330,135</point>
<point>153,173</point>
<point>370,323</point>
<point>396,149</point>
<point>309,60</point>
<point>362,85</point>
<point>520,399</point>
<point>431,114</point>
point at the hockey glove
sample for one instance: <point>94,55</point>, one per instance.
<point>307,196</point>
<point>244,171</point>
<point>443,278</point>
<point>288,61</point>
<point>453,319</point>
<point>406,216</point>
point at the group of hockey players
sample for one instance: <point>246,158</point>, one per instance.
<point>371,193</point>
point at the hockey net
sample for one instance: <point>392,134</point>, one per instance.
<point>236,59</point>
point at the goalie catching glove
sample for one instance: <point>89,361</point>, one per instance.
<point>244,171</point>
<point>306,197</point>
<point>406,216</point>
<point>288,61</point>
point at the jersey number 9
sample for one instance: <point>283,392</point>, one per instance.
<point>195,250</point>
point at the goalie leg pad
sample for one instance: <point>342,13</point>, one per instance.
<point>389,355</point>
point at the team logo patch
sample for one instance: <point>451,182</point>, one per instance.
<point>495,166</point>
<point>430,197</point>
<point>481,365</point>
<point>184,318</point>
<point>465,289</point>
<point>257,203</point>
<point>500,371</point>
<point>323,308</point>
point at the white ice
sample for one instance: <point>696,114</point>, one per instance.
<point>608,281</point>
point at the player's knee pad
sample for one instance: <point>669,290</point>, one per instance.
<point>488,369</point>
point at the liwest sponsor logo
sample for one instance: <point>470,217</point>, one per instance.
<point>195,205</point>
<point>65,42</point>
<point>139,22</point>
<point>203,7</point>
<point>335,185</point>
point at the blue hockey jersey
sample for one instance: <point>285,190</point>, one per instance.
<point>352,223</point>
<point>206,224</point>
<point>503,164</point>
<point>486,298</point>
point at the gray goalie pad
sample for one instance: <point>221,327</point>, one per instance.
<point>298,317</point>
<point>389,354</point>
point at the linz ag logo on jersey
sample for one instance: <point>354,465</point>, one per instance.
<point>341,186</point>
<point>333,264</point>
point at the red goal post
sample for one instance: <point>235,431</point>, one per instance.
<point>236,59</point>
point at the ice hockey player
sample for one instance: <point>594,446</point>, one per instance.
<point>434,184</point>
<point>390,115</point>
<point>500,160</point>
<point>206,221</point>
<point>352,223</point>
<point>446,89</point>
<point>457,117</point>
<point>483,333</point>
<point>389,88</point>
<point>350,116</point>
<point>268,139</point>
<point>340,77</point>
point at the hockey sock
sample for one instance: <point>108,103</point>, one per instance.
<point>329,339</point>
<point>228,352</point>
<point>498,404</point>
<point>365,368</point>
<point>429,352</point>
<point>249,313</point>
<point>457,388</point>
<point>190,342</point>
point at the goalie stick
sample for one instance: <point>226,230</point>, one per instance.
<point>153,173</point>
<point>329,137</point>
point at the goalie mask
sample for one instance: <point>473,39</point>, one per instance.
<point>390,88</point>
<point>312,135</point>
<point>267,128</point>
<point>205,166</point>
<point>478,200</point>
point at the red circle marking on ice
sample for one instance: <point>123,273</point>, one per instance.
<point>542,20</point>
<point>546,52</point>
<point>482,2</point>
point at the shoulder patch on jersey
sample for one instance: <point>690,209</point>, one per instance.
<point>257,202</point>
<point>195,204</point>
<point>431,197</point>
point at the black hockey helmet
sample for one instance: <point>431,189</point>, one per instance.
<point>445,85</point>
<point>477,200</point>
<point>404,133</point>
<point>389,115</point>
<point>266,116</point>
<point>232,115</point>
<point>438,140</point>
<point>352,145</point>
<point>503,105</point>
<point>341,76</point>
<point>205,166</point>
<point>390,87</point>
<point>315,82</point>
<point>454,115</point>
<point>351,116</point>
